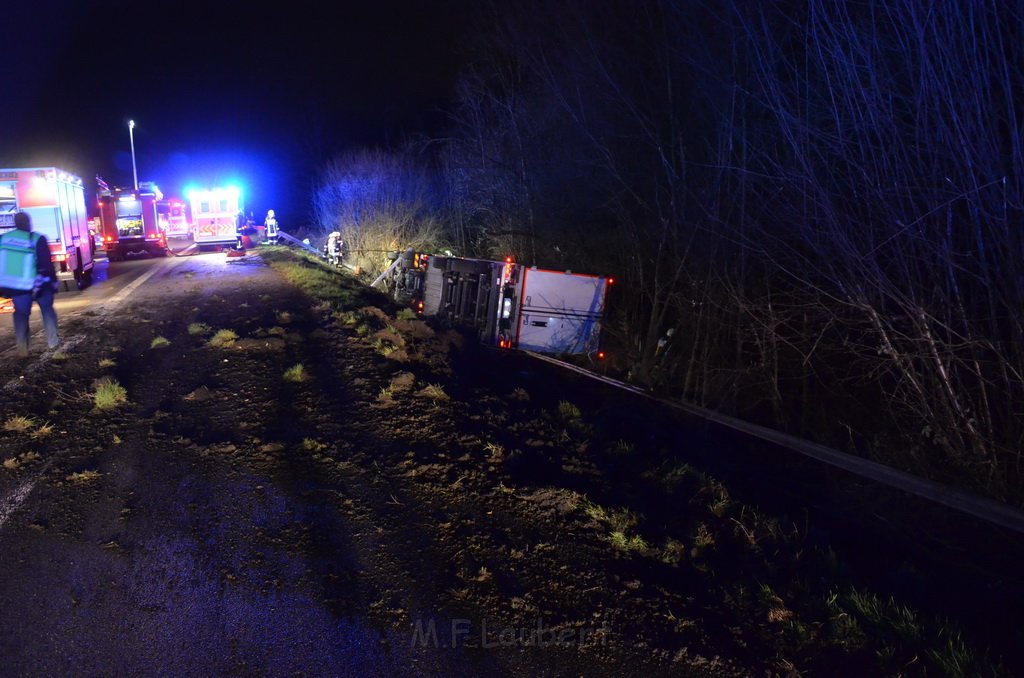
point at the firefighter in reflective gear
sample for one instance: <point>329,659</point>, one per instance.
<point>271,225</point>
<point>27,273</point>
<point>242,232</point>
<point>335,248</point>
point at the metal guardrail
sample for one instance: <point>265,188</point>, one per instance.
<point>295,241</point>
<point>980,507</point>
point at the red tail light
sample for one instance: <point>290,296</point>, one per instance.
<point>600,355</point>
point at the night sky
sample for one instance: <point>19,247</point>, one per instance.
<point>223,92</point>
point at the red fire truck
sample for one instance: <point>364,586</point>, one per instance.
<point>55,201</point>
<point>173,218</point>
<point>129,221</point>
<point>508,304</point>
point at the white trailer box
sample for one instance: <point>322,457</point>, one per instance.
<point>560,312</point>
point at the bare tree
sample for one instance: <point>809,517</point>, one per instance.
<point>380,202</point>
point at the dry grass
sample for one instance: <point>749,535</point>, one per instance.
<point>159,342</point>
<point>14,463</point>
<point>19,424</point>
<point>83,477</point>
<point>495,452</point>
<point>43,430</point>
<point>434,392</point>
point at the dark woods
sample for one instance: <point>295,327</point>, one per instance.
<point>822,200</point>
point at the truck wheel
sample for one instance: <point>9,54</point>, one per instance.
<point>79,279</point>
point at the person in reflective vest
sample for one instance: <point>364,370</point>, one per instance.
<point>27,273</point>
<point>271,225</point>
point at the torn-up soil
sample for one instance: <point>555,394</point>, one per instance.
<point>342,490</point>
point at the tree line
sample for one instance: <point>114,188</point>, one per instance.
<point>822,201</point>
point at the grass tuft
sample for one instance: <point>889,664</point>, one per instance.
<point>198,329</point>
<point>568,411</point>
<point>623,448</point>
<point>673,553</point>
<point>520,393</point>
<point>406,314</point>
<point>620,541</point>
<point>435,392</point>
<point>496,452</point>
<point>223,339</point>
<point>83,477</point>
<point>19,424</point>
<point>159,342</point>
<point>109,394</point>
<point>14,463</point>
<point>384,347</point>
<point>106,362</point>
<point>296,373</point>
<point>311,445</point>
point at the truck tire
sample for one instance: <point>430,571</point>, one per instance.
<point>79,273</point>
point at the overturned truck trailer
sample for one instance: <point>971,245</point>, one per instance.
<point>509,305</point>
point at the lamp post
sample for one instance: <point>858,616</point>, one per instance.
<point>131,138</point>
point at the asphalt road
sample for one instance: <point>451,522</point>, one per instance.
<point>108,281</point>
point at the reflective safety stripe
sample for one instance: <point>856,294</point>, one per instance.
<point>18,259</point>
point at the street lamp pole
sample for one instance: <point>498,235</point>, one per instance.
<point>131,138</point>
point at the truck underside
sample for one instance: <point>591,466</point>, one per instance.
<point>124,249</point>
